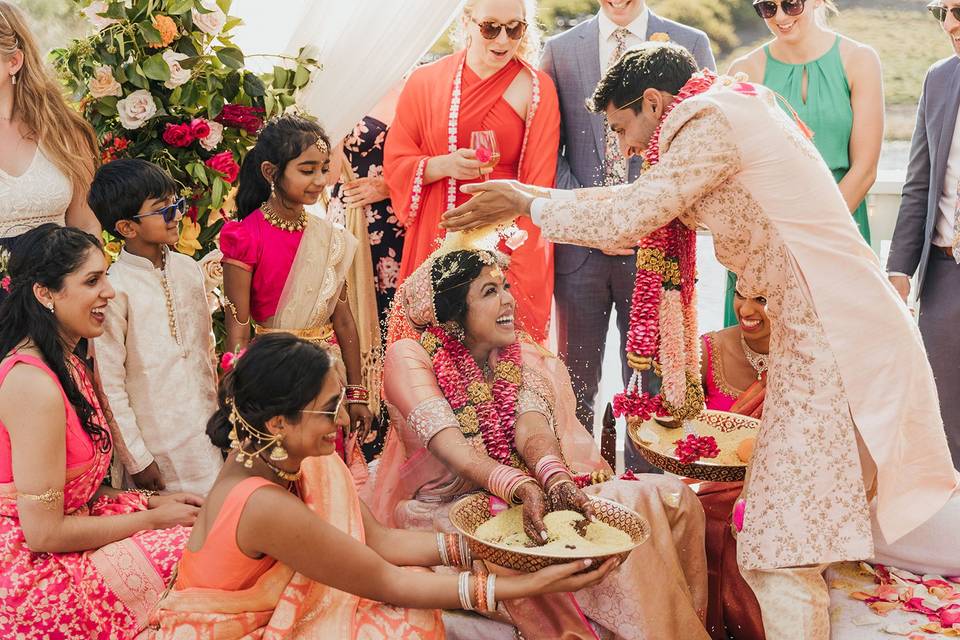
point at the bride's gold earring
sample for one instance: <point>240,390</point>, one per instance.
<point>278,453</point>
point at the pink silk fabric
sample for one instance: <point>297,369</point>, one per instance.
<point>255,245</point>
<point>100,593</point>
<point>713,396</point>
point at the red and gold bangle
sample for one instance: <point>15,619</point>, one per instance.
<point>357,394</point>
<point>480,590</point>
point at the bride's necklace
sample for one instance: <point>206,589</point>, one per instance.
<point>757,360</point>
<point>283,475</point>
<point>270,215</point>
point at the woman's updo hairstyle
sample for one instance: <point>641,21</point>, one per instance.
<point>281,140</point>
<point>278,375</point>
<point>46,255</point>
<point>451,275</point>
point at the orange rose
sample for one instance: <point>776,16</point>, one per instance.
<point>167,28</point>
<point>660,36</point>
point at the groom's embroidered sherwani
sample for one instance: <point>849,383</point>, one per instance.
<point>732,161</point>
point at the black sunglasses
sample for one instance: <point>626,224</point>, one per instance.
<point>170,212</point>
<point>490,29</point>
<point>767,9</point>
<point>940,12</point>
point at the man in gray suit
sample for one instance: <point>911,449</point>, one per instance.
<point>926,241</point>
<point>589,282</point>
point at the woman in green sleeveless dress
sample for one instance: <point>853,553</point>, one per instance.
<point>835,86</point>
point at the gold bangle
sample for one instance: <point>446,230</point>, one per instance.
<point>49,498</point>
<point>146,493</point>
<point>233,312</point>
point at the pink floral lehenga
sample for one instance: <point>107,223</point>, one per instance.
<point>100,593</point>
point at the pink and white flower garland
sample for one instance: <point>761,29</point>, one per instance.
<point>663,323</point>
<point>490,410</point>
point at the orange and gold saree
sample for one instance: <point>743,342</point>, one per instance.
<point>286,604</point>
<point>528,148</point>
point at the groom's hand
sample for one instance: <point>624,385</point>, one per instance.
<point>495,202</point>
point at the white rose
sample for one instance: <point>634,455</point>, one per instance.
<point>214,137</point>
<point>104,84</point>
<point>212,270</point>
<point>99,6</point>
<point>178,75</point>
<point>210,23</point>
<point>136,109</point>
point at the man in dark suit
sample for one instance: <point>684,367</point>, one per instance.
<point>926,240</point>
<point>589,282</point>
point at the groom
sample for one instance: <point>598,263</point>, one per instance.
<point>844,422</point>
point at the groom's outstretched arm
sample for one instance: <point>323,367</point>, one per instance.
<point>701,156</point>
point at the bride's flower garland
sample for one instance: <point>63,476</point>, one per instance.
<point>663,323</point>
<point>490,410</point>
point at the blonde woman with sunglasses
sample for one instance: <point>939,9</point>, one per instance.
<point>488,85</point>
<point>49,151</point>
<point>836,87</point>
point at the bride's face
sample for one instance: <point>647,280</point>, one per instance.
<point>490,309</point>
<point>497,18</point>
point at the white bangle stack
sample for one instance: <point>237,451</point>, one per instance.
<point>466,601</point>
<point>491,595</point>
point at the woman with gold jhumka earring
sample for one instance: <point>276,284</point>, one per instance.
<point>285,549</point>
<point>79,559</point>
<point>285,270</point>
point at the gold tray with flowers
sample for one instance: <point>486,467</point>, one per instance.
<point>734,434</point>
<point>473,510</point>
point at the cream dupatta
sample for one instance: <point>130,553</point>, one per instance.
<point>318,271</point>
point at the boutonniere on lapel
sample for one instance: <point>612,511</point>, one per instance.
<point>659,36</point>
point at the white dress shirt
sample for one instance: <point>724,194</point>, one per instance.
<point>637,35</point>
<point>943,230</point>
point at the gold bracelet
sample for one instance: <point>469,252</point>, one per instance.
<point>49,498</point>
<point>233,312</point>
<point>146,493</point>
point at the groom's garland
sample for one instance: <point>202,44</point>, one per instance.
<point>663,314</point>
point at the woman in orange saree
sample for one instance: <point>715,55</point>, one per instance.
<point>285,549</point>
<point>488,86</point>
<point>79,560</point>
<point>734,378</point>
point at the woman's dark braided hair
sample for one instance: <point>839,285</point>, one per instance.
<point>281,140</point>
<point>278,375</point>
<point>46,255</point>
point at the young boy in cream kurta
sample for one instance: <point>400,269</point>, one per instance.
<point>156,355</point>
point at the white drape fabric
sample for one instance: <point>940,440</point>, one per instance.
<point>365,47</point>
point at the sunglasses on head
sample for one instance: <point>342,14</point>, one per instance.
<point>767,9</point>
<point>170,212</point>
<point>490,29</point>
<point>940,12</point>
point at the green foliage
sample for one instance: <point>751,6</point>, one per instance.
<point>178,59</point>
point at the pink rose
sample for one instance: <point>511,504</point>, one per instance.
<point>484,155</point>
<point>214,137</point>
<point>5,284</point>
<point>229,360</point>
<point>104,84</point>
<point>178,135</point>
<point>240,116</point>
<point>200,128</point>
<point>225,164</point>
<point>136,109</point>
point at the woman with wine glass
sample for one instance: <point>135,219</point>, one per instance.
<point>489,85</point>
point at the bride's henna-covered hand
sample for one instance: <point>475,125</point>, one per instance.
<point>567,496</point>
<point>534,508</point>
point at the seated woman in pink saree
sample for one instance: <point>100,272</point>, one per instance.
<point>285,549</point>
<point>286,269</point>
<point>79,560</point>
<point>472,406</point>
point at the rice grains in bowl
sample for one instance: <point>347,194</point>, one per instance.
<point>471,512</point>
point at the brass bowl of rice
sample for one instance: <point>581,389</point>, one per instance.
<point>468,513</point>
<point>733,432</point>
